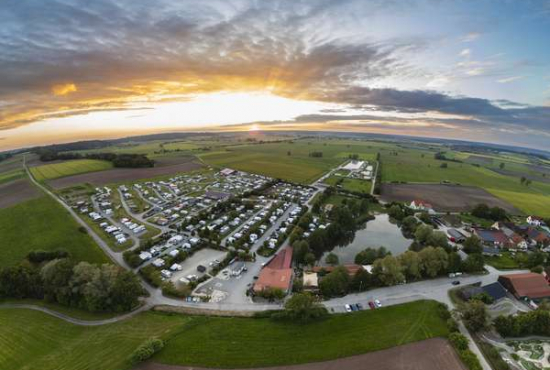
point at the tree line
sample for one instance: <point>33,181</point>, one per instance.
<point>118,160</point>
<point>105,288</point>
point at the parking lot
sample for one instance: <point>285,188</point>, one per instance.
<point>202,257</point>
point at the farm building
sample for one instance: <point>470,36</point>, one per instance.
<point>277,273</point>
<point>310,281</point>
<point>420,205</point>
<point>526,286</point>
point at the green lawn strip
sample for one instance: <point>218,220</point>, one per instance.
<point>69,311</point>
<point>43,224</point>
<point>241,342</point>
<point>68,168</point>
<point>34,340</point>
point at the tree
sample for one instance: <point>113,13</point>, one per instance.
<point>396,212</point>
<point>300,250</point>
<point>474,315</point>
<point>459,341</point>
<point>336,283</point>
<point>474,263</point>
<point>472,244</point>
<point>56,276</point>
<point>423,233</point>
<point>501,165</point>
<point>369,255</point>
<point>388,271</point>
<point>331,259</point>
<point>536,258</point>
<point>303,307</point>
<point>455,262</point>
<point>433,261</point>
<point>362,280</point>
<point>438,239</point>
<point>409,225</point>
<point>310,259</point>
<point>410,262</point>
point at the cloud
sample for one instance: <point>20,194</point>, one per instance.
<point>465,53</point>
<point>472,36</point>
<point>63,89</point>
<point>509,79</point>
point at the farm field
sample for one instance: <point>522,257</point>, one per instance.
<point>68,168</point>
<point>450,198</point>
<point>270,343</point>
<point>122,175</point>
<point>357,185</point>
<point>416,167</point>
<point>43,224</point>
<point>430,354</point>
<point>17,191</point>
<point>273,159</point>
<point>11,176</point>
<point>49,343</point>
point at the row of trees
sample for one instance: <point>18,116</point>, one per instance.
<point>525,323</point>
<point>83,285</point>
<point>118,160</point>
<point>489,213</point>
<point>429,263</point>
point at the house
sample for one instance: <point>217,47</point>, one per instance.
<point>491,252</point>
<point>420,205</point>
<point>526,286</point>
<point>535,221</point>
<point>277,274</point>
<point>227,171</point>
<point>537,237</point>
<point>492,238</point>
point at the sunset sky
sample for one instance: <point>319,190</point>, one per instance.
<point>474,70</point>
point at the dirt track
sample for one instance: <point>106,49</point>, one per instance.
<point>17,191</point>
<point>122,175</point>
<point>431,354</point>
<point>443,198</point>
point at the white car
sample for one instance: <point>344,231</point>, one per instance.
<point>377,303</point>
<point>348,308</point>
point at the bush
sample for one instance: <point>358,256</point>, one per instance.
<point>40,256</point>
<point>146,350</point>
<point>452,325</point>
<point>459,341</point>
<point>470,360</point>
<point>132,259</point>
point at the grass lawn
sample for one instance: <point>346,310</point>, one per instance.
<point>503,262</point>
<point>33,340</point>
<point>43,224</point>
<point>242,342</point>
<point>74,167</point>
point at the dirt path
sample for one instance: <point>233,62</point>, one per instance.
<point>431,354</point>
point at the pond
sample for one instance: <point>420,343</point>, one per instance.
<point>377,233</point>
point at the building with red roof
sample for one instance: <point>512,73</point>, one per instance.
<point>526,286</point>
<point>277,274</point>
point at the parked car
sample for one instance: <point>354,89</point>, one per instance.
<point>377,303</point>
<point>347,307</point>
<point>359,306</point>
<point>456,282</point>
<point>201,268</point>
<point>371,305</point>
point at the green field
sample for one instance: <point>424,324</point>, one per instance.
<point>33,340</point>
<point>11,176</point>
<point>356,185</point>
<point>273,159</point>
<point>43,224</point>
<point>261,342</point>
<point>503,262</point>
<point>74,167</point>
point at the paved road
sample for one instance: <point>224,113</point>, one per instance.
<point>116,257</point>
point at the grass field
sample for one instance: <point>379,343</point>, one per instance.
<point>273,159</point>
<point>33,340</point>
<point>12,175</point>
<point>43,224</point>
<point>63,169</point>
<point>242,342</point>
<point>503,262</point>
<point>413,166</point>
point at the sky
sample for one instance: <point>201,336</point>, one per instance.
<point>474,70</point>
